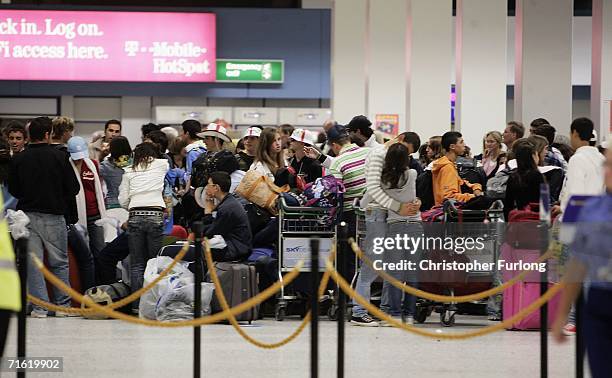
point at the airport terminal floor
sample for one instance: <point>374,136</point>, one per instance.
<point>370,352</point>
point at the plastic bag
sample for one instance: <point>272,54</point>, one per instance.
<point>178,303</point>
<point>178,276</point>
<point>18,224</point>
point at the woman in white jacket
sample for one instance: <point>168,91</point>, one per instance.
<point>141,192</point>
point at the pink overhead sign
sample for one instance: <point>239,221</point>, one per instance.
<point>107,46</point>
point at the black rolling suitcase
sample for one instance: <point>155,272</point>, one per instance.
<point>239,283</point>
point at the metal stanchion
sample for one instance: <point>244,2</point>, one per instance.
<point>197,309</point>
<point>314,308</point>
<point>341,258</point>
<point>22,261</point>
<point>579,337</point>
<point>544,223</point>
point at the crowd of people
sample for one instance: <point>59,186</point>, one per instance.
<point>108,201</point>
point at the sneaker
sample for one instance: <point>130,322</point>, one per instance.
<point>364,321</point>
<point>409,320</point>
<point>494,318</point>
<point>66,315</point>
<point>569,329</point>
<point>38,315</point>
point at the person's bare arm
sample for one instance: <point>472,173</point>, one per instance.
<point>576,272</point>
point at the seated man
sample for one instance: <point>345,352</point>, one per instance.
<point>224,216</point>
<point>446,181</point>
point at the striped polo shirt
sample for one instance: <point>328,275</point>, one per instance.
<point>349,167</point>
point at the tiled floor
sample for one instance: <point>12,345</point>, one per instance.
<point>109,348</point>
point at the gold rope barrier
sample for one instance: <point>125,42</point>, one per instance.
<point>232,318</point>
<point>346,287</point>
<point>252,302</point>
<point>444,298</point>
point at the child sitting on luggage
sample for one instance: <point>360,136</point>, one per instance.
<point>226,224</point>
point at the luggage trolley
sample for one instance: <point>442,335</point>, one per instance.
<point>487,224</point>
<point>297,226</point>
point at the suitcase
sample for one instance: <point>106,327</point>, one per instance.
<point>526,291</point>
<point>239,283</point>
<point>104,295</point>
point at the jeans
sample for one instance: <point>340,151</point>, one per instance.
<point>48,231</point>
<point>96,236</point>
<point>146,233</point>
<point>391,301</point>
<point>82,253</point>
<point>376,227</point>
<point>115,251</point>
<point>597,331</point>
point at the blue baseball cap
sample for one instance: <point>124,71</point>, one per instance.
<point>336,133</point>
<point>77,148</point>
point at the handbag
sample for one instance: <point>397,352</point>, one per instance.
<point>260,190</point>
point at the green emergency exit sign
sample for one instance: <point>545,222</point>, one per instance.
<point>250,71</point>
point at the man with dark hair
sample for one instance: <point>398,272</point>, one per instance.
<point>148,128</point>
<point>17,136</point>
<point>99,149</point>
<point>554,157</point>
<point>514,130</point>
<point>195,146</point>
<point>412,141</point>
<point>228,228</point>
<point>43,166</point>
<point>361,126</point>
<point>446,181</point>
<point>537,123</point>
<point>285,130</point>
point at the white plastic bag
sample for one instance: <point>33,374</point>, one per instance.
<point>178,276</point>
<point>18,224</point>
<point>178,302</point>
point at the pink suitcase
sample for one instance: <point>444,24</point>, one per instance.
<point>523,293</point>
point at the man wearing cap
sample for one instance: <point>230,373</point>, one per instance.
<point>360,126</point>
<point>90,199</point>
<point>40,178</point>
<point>217,158</point>
<point>304,166</point>
<point>251,141</point>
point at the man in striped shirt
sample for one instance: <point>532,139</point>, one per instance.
<point>349,165</point>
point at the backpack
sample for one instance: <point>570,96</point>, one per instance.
<point>104,295</point>
<point>326,191</point>
<point>211,162</point>
<point>424,190</point>
<point>523,229</point>
<point>496,185</point>
<point>469,171</point>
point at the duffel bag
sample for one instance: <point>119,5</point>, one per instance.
<point>104,295</point>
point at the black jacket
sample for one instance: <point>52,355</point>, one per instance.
<point>310,168</point>
<point>522,191</point>
<point>71,213</point>
<point>41,179</point>
<point>232,223</point>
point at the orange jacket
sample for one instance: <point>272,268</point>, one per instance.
<point>447,183</point>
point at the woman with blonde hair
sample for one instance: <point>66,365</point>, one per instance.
<point>269,157</point>
<point>492,148</point>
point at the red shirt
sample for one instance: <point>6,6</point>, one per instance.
<point>89,187</point>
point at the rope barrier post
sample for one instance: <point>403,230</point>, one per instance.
<point>342,260</point>
<point>22,258</point>
<point>579,337</point>
<point>544,223</point>
<point>314,308</point>
<point>197,309</point>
